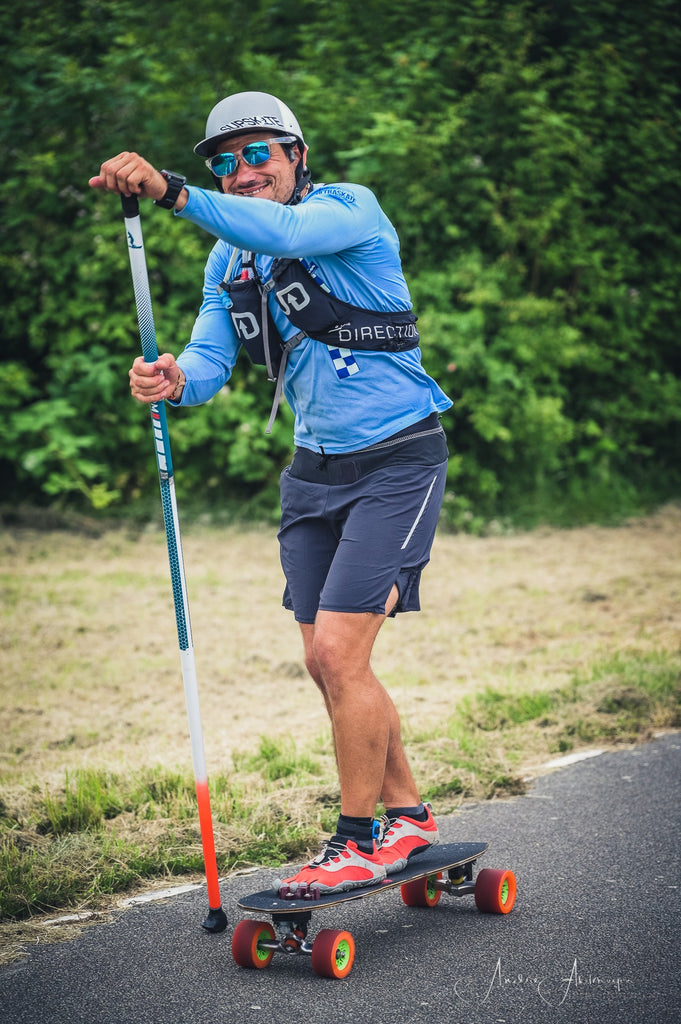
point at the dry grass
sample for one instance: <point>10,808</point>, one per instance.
<point>91,670</point>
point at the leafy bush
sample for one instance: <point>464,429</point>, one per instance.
<point>528,155</point>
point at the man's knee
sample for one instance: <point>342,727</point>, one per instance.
<point>312,666</point>
<point>327,655</point>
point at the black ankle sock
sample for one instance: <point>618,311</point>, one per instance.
<point>360,830</point>
<point>418,813</point>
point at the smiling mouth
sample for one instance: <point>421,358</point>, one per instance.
<point>253,190</point>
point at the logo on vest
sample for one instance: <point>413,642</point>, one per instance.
<point>293,296</point>
<point>245,325</point>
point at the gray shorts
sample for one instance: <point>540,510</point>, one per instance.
<point>346,541</point>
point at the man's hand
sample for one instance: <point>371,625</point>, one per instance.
<point>152,382</point>
<point>128,174</point>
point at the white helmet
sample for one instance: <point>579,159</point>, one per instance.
<point>247,112</point>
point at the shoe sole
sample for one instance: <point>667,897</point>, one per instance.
<point>347,886</point>
<point>328,890</point>
<point>401,864</point>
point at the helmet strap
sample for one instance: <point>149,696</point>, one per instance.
<point>303,182</point>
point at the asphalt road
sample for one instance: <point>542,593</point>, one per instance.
<point>594,936</point>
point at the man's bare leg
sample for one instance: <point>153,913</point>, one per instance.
<point>372,763</point>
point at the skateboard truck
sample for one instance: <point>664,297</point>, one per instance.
<point>293,935</point>
<point>459,881</point>
<point>290,938</point>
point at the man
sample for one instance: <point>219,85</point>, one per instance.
<point>310,282</point>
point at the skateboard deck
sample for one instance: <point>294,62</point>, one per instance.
<point>446,868</point>
<point>443,857</point>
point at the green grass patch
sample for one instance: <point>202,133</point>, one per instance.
<point>494,709</point>
<point>104,833</point>
<point>487,748</point>
<point>89,797</point>
<point>277,759</point>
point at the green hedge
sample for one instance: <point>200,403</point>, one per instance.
<point>528,154</point>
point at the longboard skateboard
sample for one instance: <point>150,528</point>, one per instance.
<point>332,952</point>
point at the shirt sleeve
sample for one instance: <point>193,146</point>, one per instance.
<point>210,355</point>
<point>332,219</point>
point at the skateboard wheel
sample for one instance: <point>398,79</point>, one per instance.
<point>333,954</point>
<point>421,892</point>
<point>495,891</point>
<point>245,939</point>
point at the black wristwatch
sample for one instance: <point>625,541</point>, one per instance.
<point>175,185</point>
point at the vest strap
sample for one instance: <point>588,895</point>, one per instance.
<point>290,344</point>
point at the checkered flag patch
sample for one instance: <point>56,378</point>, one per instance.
<point>344,362</point>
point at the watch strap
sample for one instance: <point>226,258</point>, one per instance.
<point>175,185</point>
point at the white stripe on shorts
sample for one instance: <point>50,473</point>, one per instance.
<point>420,513</point>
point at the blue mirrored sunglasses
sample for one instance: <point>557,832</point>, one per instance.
<point>253,153</point>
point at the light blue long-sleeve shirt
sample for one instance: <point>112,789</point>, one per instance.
<point>342,401</point>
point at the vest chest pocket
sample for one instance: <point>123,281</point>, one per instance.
<point>245,301</point>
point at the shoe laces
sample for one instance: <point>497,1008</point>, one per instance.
<point>386,825</point>
<point>333,849</point>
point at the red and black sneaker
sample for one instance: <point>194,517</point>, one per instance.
<point>341,865</point>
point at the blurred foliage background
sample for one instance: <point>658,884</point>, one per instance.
<point>528,154</point>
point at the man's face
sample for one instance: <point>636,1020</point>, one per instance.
<point>275,179</point>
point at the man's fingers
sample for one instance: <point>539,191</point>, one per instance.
<point>122,175</point>
<point>126,174</point>
<point>152,382</point>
